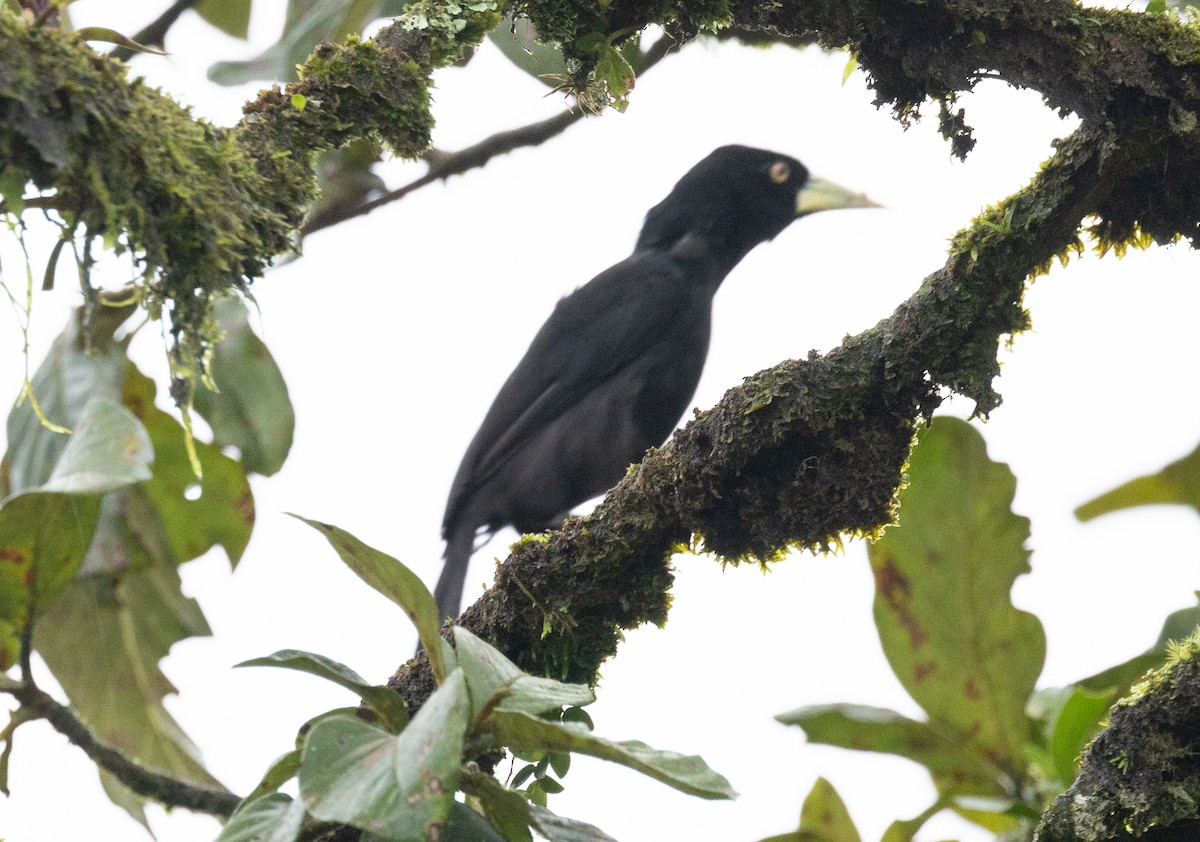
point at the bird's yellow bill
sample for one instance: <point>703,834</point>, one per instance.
<point>817,194</point>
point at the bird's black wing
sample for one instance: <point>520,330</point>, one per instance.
<point>591,336</point>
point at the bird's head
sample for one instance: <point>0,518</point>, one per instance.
<point>738,197</point>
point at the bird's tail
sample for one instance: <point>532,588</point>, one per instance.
<point>448,592</point>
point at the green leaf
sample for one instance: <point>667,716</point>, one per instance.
<point>272,818</point>
<point>519,43</point>
<point>561,829</point>
<point>108,450</point>
<point>252,411</point>
<point>1120,678</point>
<point>308,23</point>
<point>505,808</point>
<point>851,66</point>
<point>686,773</point>
<point>904,830</point>
<point>496,682</point>
<point>111,36</point>
<point>383,700</point>
<point>282,770</point>
<point>399,584</point>
<point>177,514</point>
<point>76,370</point>
<point>1177,483</point>
<point>103,639</point>
<point>866,728</point>
<point>465,825</point>
<point>614,70</point>
<point>397,787</point>
<point>942,604</point>
<point>825,817</point>
<point>45,534</point>
<point>1077,722</point>
<point>230,16</point>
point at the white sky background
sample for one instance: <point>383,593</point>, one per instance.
<point>395,331</point>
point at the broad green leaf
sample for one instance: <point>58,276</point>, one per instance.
<point>103,639</point>
<point>230,16</point>
<point>399,584</point>
<point>518,42</point>
<point>397,787</point>
<point>943,608</point>
<point>384,700</point>
<point>109,449</point>
<point>824,815</point>
<point>252,411</point>
<point>1120,678</point>
<point>272,818</point>
<point>1177,483</point>
<point>496,682</point>
<point>686,773</point>
<point>866,728</point>
<point>182,515</point>
<point>76,369</point>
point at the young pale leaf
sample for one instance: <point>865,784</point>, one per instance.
<point>385,701</point>
<point>824,815</point>
<point>865,728</point>
<point>272,818</point>
<point>943,609</point>
<point>1177,483</point>
<point>252,410</point>
<point>495,681</point>
<point>686,773</point>
<point>399,584</point>
<point>397,787</point>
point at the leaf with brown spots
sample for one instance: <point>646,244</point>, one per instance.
<point>943,577</point>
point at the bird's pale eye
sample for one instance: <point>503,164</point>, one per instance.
<point>779,172</point>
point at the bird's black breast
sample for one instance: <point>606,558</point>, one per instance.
<point>608,376</point>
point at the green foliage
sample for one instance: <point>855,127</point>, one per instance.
<point>230,16</point>
<point>398,782</point>
<point>823,818</point>
<point>998,751</point>
<point>249,409</point>
<point>1178,482</point>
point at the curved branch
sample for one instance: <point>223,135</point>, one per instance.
<point>164,789</point>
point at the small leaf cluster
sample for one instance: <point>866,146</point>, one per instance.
<point>395,777</point>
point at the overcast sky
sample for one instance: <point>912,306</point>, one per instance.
<point>449,286</point>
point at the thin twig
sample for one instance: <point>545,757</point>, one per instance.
<point>154,33</point>
<point>442,165</point>
<point>164,789</point>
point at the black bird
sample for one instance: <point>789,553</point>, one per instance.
<point>616,364</point>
